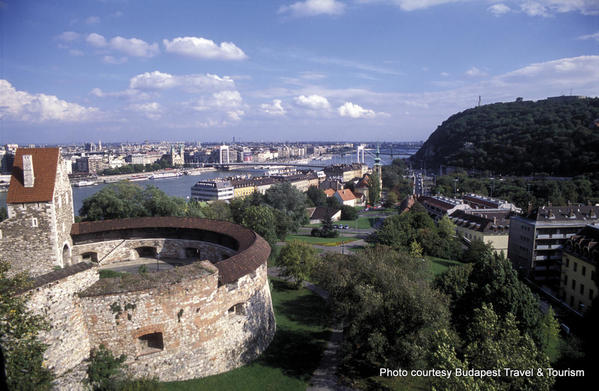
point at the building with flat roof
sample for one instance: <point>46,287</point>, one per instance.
<point>439,206</point>
<point>212,191</point>
<point>535,241</point>
<point>580,254</point>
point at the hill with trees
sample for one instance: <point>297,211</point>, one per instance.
<point>558,136</point>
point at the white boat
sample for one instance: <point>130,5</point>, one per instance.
<point>164,175</point>
<point>85,183</point>
<point>137,178</point>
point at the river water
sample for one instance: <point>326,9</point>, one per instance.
<point>181,186</point>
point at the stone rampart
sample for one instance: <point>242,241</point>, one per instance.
<point>185,329</point>
<point>111,251</point>
<point>56,298</point>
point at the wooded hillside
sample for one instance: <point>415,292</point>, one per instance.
<point>557,136</point>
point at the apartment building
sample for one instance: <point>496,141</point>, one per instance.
<point>535,241</point>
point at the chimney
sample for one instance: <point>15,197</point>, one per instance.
<point>28,175</point>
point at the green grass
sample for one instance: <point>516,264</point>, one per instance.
<point>363,223</point>
<point>106,273</point>
<point>291,358</point>
<point>440,265</point>
<point>320,241</point>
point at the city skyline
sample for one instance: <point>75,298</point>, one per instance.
<point>282,71</point>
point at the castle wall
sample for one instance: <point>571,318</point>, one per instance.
<point>186,330</point>
<point>29,248</point>
<point>112,251</point>
<point>58,302</point>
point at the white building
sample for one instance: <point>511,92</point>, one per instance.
<point>212,191</point>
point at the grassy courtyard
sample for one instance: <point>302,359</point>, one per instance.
<point>292,356</point>
<point>440,265</point>
<point>320,241</point>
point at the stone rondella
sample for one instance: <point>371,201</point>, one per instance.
<point>209,314</point>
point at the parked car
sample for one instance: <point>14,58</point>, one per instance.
<point>346,227</point>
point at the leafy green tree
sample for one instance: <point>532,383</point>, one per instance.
<point>261,219</point>
<point>549,339</point>
<point>391,200</point>
<point>3,213</point>
<point>317,196</point>
<point>218,210</point>
<point>491,342</point>
<point>289,200</point>
<point>348,213</point>
<point>415,249</point>
<point>22,350</point>
<point>327,230</point>
<point>389,309</point>
<point>298,261</point>
<point>476,251</point>
<point>124,199</point>
<point>105,372</point>
<point>374,188</point>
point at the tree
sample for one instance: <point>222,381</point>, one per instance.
<point>298,260</point>
<point>218,210</point>
<point>317,196</point>
<point>261,219</point>
<point>391,200</point>
<point>289,200</point>
<point>491,342</point>
<point>3,213</point>
<point>123,199</point>
<point>327,230</point>
<point>374,188</point>
<point>476,251</point>
<point>348,213</point>
<point>494,281</point>
<point>19,328</point>
<point>105,371</point>
<point>390,311</point>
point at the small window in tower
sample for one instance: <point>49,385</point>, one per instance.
<point>151,343</point>
<point>237,309</point>
<point>59,201</point>
<point>34,222</point>
<point>0,234</point>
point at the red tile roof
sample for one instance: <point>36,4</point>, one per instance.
<point>45,161</point>
<point>346,194</point>
<point>329,192</point>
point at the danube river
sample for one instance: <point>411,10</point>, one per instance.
<point>181,186</point>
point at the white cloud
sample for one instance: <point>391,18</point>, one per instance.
<point>128,93</point>
<point>532,8</point>
<point>152,81</point>
<point>76,53</point>
<point>590,36</point>
<point>275,109</point>
<point>158,81</point>
<point>152,110</point>
<point>475,72</point>
<point>134,47</point>
<point>228,103</point>
<point>352,110</point>
<point>499,9</point>
<point>23,106</point>
<point>96,40</point>
<point>69,36</point>
<point>92,20</point>
<point>131,46</point>
<point>412,5</point>
<point>444,74</point>
<point>315,102</point>
<point>113,60</point>
<point>314,7</point>
<point>199,47</point>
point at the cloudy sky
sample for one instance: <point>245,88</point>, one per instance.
<point>126,70</point>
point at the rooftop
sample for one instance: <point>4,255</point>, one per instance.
<point>45,161</point>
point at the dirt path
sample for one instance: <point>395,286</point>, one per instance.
<point>324,377</point>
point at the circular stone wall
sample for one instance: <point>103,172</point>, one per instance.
<point>191,321</point>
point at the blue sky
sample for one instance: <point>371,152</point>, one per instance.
<point>364,70</point>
